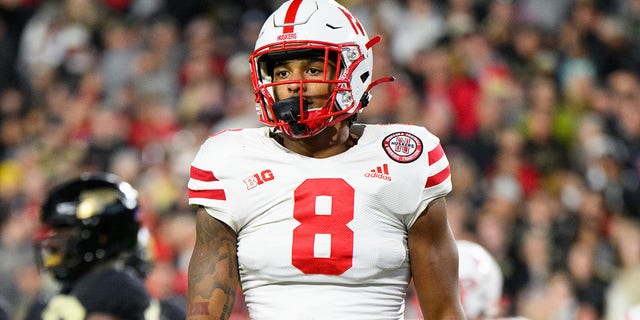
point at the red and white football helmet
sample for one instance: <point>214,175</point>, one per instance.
<point>480,280</point>
<point>313,27</point>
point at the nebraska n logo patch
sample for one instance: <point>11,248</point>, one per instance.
<point>402,147</point>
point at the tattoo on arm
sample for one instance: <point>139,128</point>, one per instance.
<point>198,308</point>
<point>213,270</point>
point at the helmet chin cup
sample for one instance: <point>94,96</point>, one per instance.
<point>288,110</point>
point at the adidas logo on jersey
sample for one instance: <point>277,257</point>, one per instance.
<point>379,172</point>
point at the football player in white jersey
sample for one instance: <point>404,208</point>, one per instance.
<point>480,281</point>
<point>315,216</point>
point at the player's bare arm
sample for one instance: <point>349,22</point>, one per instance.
<point>434,264</point>
<point>213,270</point>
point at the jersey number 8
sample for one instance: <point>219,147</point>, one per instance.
<point>323,207</point>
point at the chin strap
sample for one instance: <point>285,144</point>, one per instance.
<point>366,97</point>
<point>379,81</point>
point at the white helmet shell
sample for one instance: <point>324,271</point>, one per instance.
<point>480,281</point>
<point>322,26</point>
<point>312,20</point>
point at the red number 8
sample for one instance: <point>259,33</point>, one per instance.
<point>334,224</point>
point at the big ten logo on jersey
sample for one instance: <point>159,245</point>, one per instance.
<point>258,179</point>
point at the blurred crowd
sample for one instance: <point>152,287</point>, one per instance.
<point>537,104</point>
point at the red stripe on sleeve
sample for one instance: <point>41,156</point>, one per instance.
<point>290,17</point>
<point>202,175</point>
<point>435,154</point>
<point>438,177</point>
<point>216,194</point>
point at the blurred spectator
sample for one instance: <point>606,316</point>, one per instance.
<point>107,134</point>
<point>459,16</point>
<point>624,86</point>
<point>624,292</point>
<point>589,286</point>
<point>546,14</point>
<point>527,54</point>
<point>153,76</point>
<point>153,120</point>
<point>555,300</point>
<point>467,178</point>
<point>459,216</point>
<point>434,70</point>
<point>418,25</point>
<point>120,42</point>
<point>510,161</point>
<point>57,42</point>
<point>176,232</point>
<point>8,76</point>
<point>239,110</point>
<point>395,101</point>
<point>499,22</point>
<point>546,154</point>
<point>533,251</point>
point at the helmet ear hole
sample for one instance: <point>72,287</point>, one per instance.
<point>364,77</point>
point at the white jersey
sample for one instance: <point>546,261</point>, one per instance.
<point>321,238</point>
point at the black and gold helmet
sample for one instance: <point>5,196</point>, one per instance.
<point>86,221</point>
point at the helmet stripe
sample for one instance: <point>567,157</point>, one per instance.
<point>290,17</point>
<point>355,24</point>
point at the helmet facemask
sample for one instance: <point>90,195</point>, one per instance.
<point>51,250</point>
<point>292,115</point>
<point>329,30</point>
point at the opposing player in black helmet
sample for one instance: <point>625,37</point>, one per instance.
<point>90,231</point>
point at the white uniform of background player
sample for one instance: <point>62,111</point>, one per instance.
<point>480,281</point>
<point>305,223</point>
